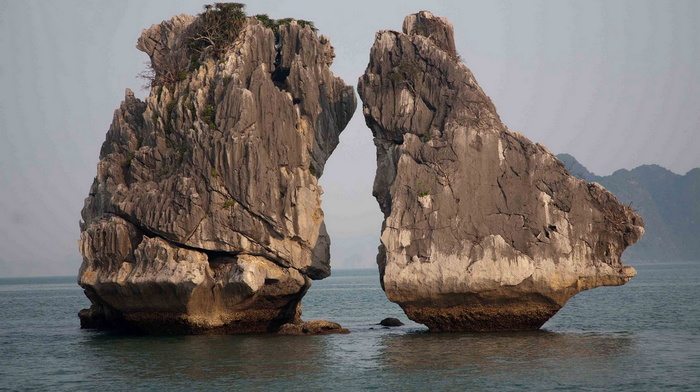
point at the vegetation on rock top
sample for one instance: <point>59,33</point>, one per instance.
<point>212,34</point>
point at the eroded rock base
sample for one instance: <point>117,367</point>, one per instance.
<point>159,323</point>
<point>517,316</point>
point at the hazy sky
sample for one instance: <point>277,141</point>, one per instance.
<point>614,83</point>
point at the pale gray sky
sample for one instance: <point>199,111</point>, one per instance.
<point>614,83</point>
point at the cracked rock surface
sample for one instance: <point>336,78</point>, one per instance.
<point>484,230</point>
<point>205,213</point>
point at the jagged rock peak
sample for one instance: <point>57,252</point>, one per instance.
<point>483,229</point>
<point>165,41</point>
<point>205,214</point>
<point>439,30</point>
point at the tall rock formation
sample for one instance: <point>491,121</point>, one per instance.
<point>483,229</point>
<point>205,214</point>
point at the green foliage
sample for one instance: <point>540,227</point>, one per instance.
<point>182,75</point>
<point>422,189</point>
<point>169,116</point>
<point>214,31</point>
<point>170,106</point>
<point>275,24</point>
<point>211,35</point>
<point>304,23</point>
<point>209,116</point>
<point>217,28</point>
<point>194,63</point>
<point>227,80</point>
<point>191,108</point>
<point>267,21</point>
<point>209,112</point>
<point>181,154</point>
<point>172,69</point>
<point>214,172</point>
<point>128,160</point>
<point>426,136</point>
<point>284,21</point>
<point>405,74</point>
<point>396,77</point>
<point>229,204</point>
<point>312,169</point>
<point>408,70</point>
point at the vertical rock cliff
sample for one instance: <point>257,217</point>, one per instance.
<point>205,215</point>
<point>483,229</point>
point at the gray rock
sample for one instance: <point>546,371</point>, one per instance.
<point>391,322</point>
<point>483,229</point>
<point>205,215</point>
<point>312,327</point>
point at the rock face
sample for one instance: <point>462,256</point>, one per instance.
<point>205,214</point>
<point>313,327</point>
<point>483,229</point>
<point>391,322</point>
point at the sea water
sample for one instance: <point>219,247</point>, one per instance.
<point>643,336</point>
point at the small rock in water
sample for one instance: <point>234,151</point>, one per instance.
<point>391,322</point>
<point>313,327</point>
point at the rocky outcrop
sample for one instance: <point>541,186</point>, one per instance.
<point>483,229</point>
<point>205,215</point>
<point>391,322</point>
<point>312,327</point>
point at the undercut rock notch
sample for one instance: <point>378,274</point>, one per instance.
<point>484,230</point>
<point>205,214</point>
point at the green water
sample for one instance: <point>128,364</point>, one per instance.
<point>639,337</point>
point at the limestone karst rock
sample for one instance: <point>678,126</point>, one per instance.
<point>391,322</point>
<point>312,327</point>
<point>205,214</point>
<point>483,229</point>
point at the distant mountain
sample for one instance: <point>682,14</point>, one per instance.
<point>669,204</point>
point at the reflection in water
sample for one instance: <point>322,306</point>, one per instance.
<point>488,351</point>
<point>545,357</point>
<point>205,358</point>
<point>365,359</point>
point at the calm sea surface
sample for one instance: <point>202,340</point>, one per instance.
<point>643,336</point>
